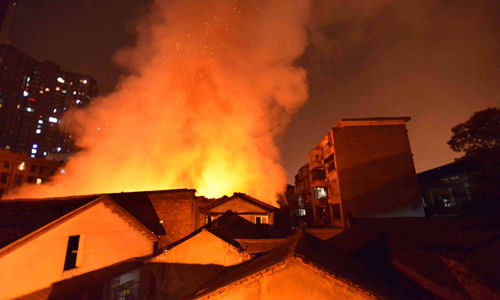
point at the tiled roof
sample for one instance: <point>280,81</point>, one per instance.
<point>19,218</point>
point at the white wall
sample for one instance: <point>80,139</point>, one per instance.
<point>107,239</point>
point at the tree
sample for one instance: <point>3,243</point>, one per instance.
<point>479,134</point>
<point>479,138</point>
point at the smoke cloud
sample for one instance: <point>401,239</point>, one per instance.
<point>212,84</point>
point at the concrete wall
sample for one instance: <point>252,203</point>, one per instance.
<point>376,171</point>
<point>293,281</point>
<point>106,238</point>
<point>205,249</point>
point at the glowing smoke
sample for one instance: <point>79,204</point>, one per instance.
<point>213,83</point>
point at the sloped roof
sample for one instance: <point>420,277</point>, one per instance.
<point>231,226</point>
<point>311,251</point>
<point>426,248</point>
<point>21,217</point>
<point>244,197</point>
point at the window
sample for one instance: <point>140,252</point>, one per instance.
<point>71,252</point>
<point>33,168</point>
<point>336,211</point>
<point>4,177</point>
<point>6,164</point>
<point>18,179</point>
<point>319,192</point>
<point>261,220</point>
<point>208,219</point>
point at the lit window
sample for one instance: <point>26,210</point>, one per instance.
<point>84,81</point>
<point>47,89</point>
<point>301,212</point>
<point>58,88</point>
<point>60,79</point>
<point>78,101</point>
<point>32,155</point>
<point>40,121</point>
<point>26,94</point>
<point>63,171</point>
<point>64,91</point>
<point>55,110</point>
<point>74,92</point>
<point>35,146</point>
<point>21,166</point>
<point>44,153</point>
<point>33,151</point>
<point>28,79</point>
<point>53,120</point>
<point>58,149</point>
<point>38,131</point>
<point>39,181</point>
<point>29,109</point>
<point>319,192</point>
<point>261,220</point>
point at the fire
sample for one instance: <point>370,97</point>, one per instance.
<point>211,86</point>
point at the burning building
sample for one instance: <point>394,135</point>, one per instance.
<point>363,168</point>
<point>161,245</point>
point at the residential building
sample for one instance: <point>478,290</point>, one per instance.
<point>446,190</point>
<point>33,98</point>
<point>107,247</point>
<point>65,239</point>
<point>85,233</point>
<point>7,11</point>
<point>362,168</point>
<point>19,168</point>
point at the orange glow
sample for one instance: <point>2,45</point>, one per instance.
<point>212,84</point>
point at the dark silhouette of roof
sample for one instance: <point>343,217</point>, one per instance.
<point>244,197</point>
<point>20,218</point>
<point>139,205</point>
<point>316,253</point>
<point>231,226</point>
<point>438,252</point>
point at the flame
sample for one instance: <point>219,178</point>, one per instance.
<point>211,86</point>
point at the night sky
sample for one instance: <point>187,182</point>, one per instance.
<point>437,61</point>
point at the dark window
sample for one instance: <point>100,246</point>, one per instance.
<point>33,168</point>
<point>41,169</point>
<point>6,164</point>
<point>4,178</point>
<point>31,179</point>
<point>336,211</point>
<point>318,174</point>
<point>18,179</point>
<point>71,252</point>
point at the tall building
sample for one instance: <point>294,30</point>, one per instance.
<point>361,168</point>
<point>33,98</point>
<point>7,10</point>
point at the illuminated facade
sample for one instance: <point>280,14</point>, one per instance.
<point>19,168</point>
<point>361,168</point>
<point>33,98</point>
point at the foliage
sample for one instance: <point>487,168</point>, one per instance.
<point>480,133</point>
<point>479,138</point>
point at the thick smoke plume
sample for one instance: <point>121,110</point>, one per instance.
<point>212,84</point>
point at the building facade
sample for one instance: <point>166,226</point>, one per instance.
<point>361,168</point>
<point>446,189</point>
<point>33,98</point>
<point>19,168</point>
